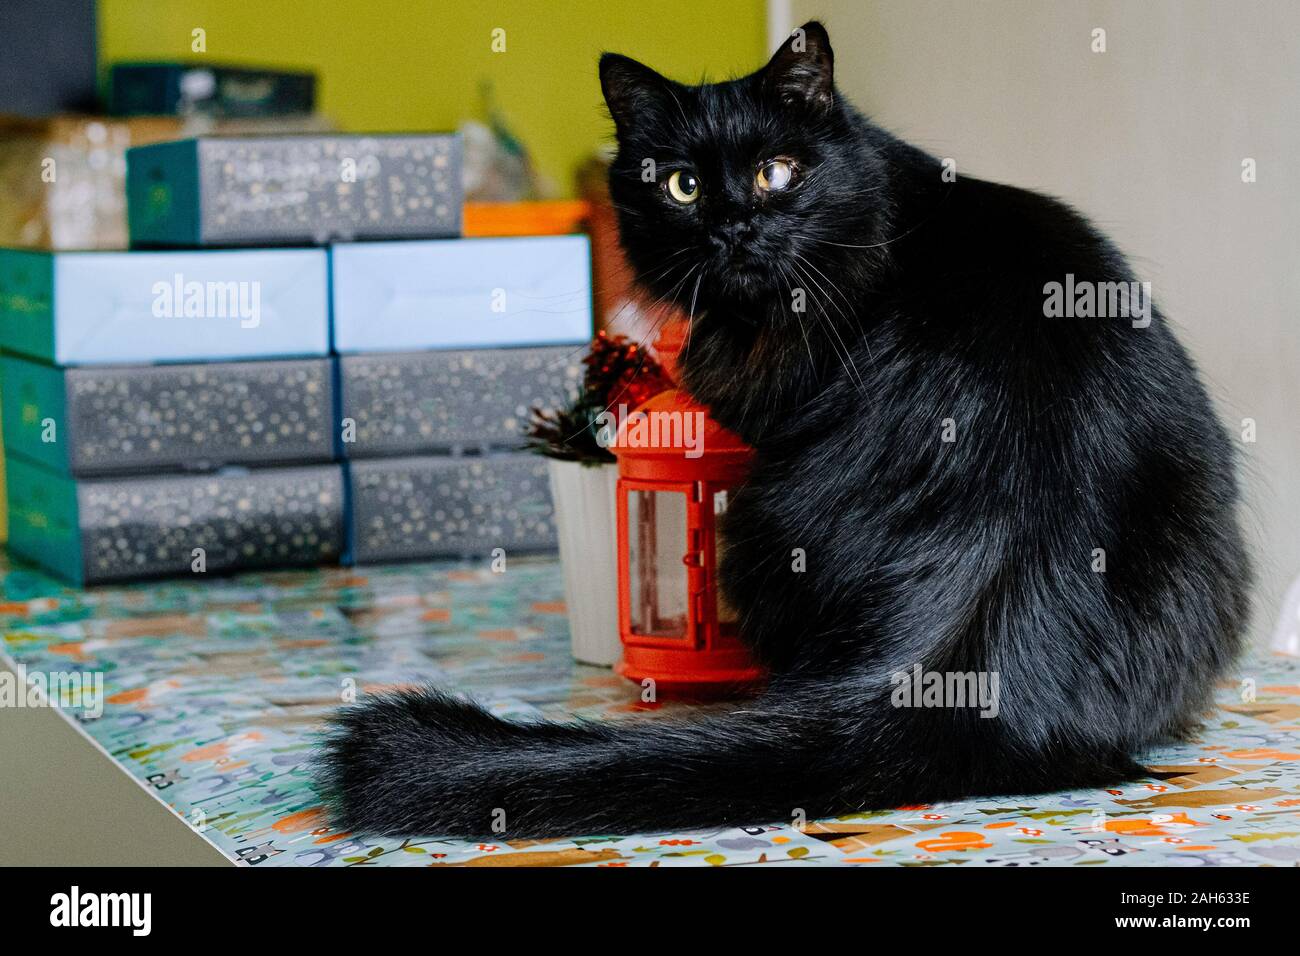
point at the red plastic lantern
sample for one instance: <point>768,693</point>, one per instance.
<point>676,469</point>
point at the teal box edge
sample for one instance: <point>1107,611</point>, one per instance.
<point>27,284</point>
<point>44,519</point>
<point>34,405</point>
<point>163,195</point>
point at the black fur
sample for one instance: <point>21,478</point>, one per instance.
<point>925,302</point>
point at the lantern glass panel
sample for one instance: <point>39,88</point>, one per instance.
<point>658,585</point>
<point>726,613</point>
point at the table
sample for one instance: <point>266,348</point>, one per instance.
<point>215,689</point>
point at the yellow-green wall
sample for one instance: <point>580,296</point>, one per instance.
<point>397,65</point>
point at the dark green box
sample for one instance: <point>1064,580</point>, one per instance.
<point>216,90</point>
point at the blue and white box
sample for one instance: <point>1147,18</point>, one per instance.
<point>123,308</point>
<point>461,293</point>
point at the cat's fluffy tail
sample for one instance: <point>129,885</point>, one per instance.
<point>423,762</point>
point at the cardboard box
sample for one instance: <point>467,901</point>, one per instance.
<point>100,308</point>
<point>438,507</point>
<point>118,529</point>
<point>286,190</point>
<point>150,418</point>
<point>167,89</point>
<point>459,294</point>
<point>63,179</point>
<point>410,403</point>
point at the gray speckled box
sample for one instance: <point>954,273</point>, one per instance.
<point>410,403</point>
<point>116,529</point>
<point>168,417</point>
<point>279,190</point>
<point>138,527</point>
<point>426,507</point>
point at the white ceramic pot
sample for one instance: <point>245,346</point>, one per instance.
<point>1286,636</point>
<point>586,518</point>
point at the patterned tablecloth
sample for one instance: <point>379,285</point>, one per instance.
<point>215,691</point>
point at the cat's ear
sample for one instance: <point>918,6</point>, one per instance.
<point>802,72</point>
<point>630,88</point>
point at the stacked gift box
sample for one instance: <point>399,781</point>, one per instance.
<point>229,394</point>
<point>63,160</point>
<point>148,424</point>
<point>444,347</point>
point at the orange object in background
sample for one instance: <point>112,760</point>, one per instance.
<point>525,218</point>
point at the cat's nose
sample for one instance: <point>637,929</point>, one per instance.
<point>731,234</point>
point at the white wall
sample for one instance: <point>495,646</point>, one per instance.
<point>1147,139</point>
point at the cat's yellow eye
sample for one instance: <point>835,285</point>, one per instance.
<point>684,187</point>
<point>775,175</point>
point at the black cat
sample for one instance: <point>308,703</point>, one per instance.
<point>995,459</point>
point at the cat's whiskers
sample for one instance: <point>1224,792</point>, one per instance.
<point>666,266</point>
<point>685,119</point>
<point>848,312</point>
<point>657,323</point>
<point>633,303</point>
<point>784,276</point>
<point>641,345</point>
<point>842,350</point>
<point>847,245</point>
<point>877,245</point>
<point>690,317</point>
